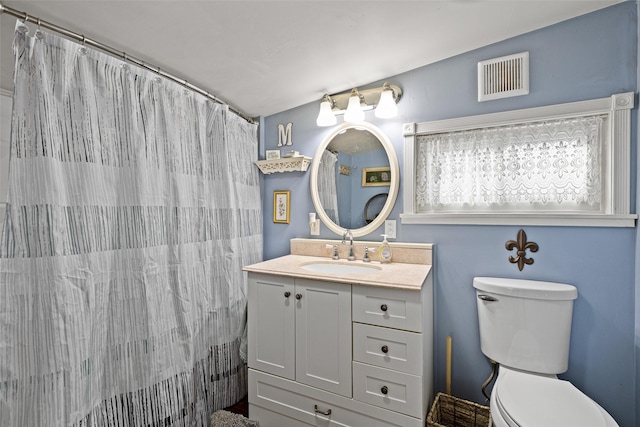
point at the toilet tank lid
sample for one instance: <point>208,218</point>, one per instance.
<point>526,288</point>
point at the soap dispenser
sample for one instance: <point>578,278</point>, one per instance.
<point>384,251</point>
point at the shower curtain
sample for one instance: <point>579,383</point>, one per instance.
<point>133,205</point>
<point>327,188</point>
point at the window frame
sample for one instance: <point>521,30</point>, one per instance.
<point>616,171</point>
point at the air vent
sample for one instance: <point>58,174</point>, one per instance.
<point>503,77</point>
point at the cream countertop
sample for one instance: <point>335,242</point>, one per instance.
<point>393,275</point>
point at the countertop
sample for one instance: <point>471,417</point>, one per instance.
<point>392,275</point>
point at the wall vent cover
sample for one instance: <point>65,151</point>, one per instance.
<point>503,77</point>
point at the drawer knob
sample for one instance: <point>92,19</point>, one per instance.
<point>287,294</point>
<point>383,307</point>
<point>327,412</point>
<point>298,296</point>
<point>385,349</point>
<point>384,390</point>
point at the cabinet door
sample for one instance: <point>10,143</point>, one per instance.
<point>323,335</point>
<point>271,324</point>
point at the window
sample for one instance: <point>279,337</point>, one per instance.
<point>565,164</point>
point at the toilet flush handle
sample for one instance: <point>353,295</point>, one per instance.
<point>484,297</point>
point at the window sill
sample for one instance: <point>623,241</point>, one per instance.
<point>550,220</point>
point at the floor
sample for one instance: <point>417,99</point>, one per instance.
<point>242,407</point>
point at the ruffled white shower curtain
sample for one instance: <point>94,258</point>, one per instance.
<point>133,206</point>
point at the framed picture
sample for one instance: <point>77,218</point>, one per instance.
<point>376,177</point>
<point>273,154</point>
<point>281,204</point>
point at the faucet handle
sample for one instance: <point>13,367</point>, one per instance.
<point>335,250</point>
<point>366,255</point>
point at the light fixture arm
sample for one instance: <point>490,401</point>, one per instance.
<point>327,98</point>
<point>397,92</point>
<point>355,92</point>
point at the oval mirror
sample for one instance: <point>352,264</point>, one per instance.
<point>354,179</point>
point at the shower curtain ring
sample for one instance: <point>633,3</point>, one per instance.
<point>83,50</point>
<point>38,34</point>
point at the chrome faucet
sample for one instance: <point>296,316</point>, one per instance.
<point>348,233</point>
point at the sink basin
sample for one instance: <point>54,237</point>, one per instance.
<point>329,267</point>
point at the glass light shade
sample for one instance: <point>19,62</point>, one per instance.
<point>387,107</point>
<point>354,111</point>
<point>326,116</point>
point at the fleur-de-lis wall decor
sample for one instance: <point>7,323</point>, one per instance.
<point>521,245</point>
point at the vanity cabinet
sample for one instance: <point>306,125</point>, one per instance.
<point>338,354</point>
<point>300,329</point>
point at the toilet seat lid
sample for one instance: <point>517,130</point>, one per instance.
<point>532,400</point>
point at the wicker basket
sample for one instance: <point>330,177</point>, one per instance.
<point>449,411</point>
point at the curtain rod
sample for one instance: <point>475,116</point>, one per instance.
<point>119,54</point>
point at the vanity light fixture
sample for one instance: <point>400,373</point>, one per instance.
<point>354,112</point>
<point>326,116</point>
<point>353,104</point>
<point>387,107</point>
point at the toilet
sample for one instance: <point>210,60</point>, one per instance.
<point>525,326</point>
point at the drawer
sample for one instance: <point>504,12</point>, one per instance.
<point>388,348</point>
<point>388,389</point>
<point>294,401</point>
<point>388,307</point>
<point>269,418</point>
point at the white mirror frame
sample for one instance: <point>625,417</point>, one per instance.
<point>393,187</point>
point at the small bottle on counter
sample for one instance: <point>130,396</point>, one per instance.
<point>384,251</point>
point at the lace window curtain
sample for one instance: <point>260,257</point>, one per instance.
<point>132,207</point>
<point>553,165</point>
<point>327,189</point>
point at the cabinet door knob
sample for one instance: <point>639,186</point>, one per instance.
<point>298,296</point>
<point>287,294</point>
<point>327,412</point>
<point>385,349</point>
<point>383,307</point>
<point>384,389</point>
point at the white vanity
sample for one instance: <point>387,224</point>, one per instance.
<point>345,349</point>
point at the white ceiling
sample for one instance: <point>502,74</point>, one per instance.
<point>265,57</point>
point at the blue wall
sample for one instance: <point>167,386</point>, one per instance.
<point>587,57</point>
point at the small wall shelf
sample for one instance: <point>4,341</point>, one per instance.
<point>289,164</point>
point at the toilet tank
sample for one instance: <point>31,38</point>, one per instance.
<point>525,324</point>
